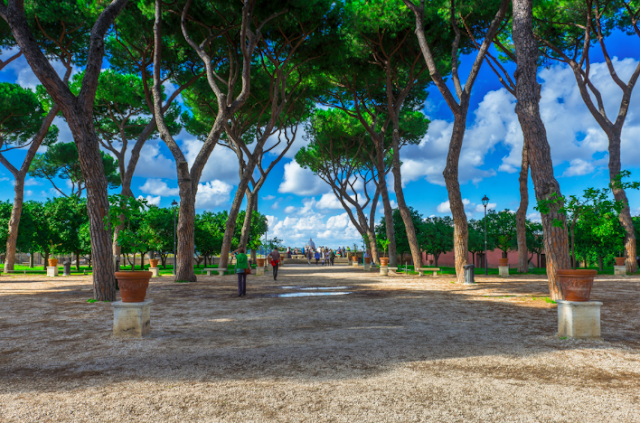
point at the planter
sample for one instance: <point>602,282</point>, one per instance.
<point>133,286</point>
<point>153,262</point>
<point>261,262</point>
<point>620,261</point>
<point>384,261</point>
<point>503,262</point>
<point>576,284</point>
<point>53,262</point>
<point>367,260</point>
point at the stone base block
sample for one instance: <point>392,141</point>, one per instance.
<point>155,272</point>
<point>367,266</point>
<point>355,264</point>
<point>384,271</point>
<point>579,320</point>
<point>503,270</point>
<point>259,271</point>
<point>131,320</point>
<point>52,271</point>
<point>620,270</point>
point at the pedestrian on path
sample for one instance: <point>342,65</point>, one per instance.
<point>309,256</point>
<point>241,269</point>
<point>317,256</point>
<point>332,257</point>
<point>274,257</point>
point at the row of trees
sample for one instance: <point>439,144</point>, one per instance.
<point>251,71</point>
<point>61,226</point>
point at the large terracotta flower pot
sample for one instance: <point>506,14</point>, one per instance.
<point>153,262</point>
<point>261,262</point>
<point>53,262</point>
<point>576,284</point>
<point>503,262</point>
<point>367,260</point>
<point>133,286</point>
<point>384,261</point>
<point>620,261</point>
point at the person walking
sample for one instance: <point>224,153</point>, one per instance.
<point>317,256</point>
<point>275,259</point>
<point>309,256</point>
<point>332,257</point>
<point>241,269</point>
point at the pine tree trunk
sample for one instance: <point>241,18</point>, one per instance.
<point>388,211</point>
<point>14,223</point>
<point>185,231</point>
<point>246,225</point>
<point>556,241</point>
<point>402,205</point>
<point>619,194</point>
<point>46,261</point>
<point>521,215</point>
<point>600,264</point>
<point>461,227</point>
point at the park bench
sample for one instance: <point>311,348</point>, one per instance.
<point>216,269</point>
<point>435,271</point>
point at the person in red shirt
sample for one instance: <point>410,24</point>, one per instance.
<point>274,256</point>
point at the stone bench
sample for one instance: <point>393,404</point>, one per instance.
<point>435,271</point>
<point>216,269</point>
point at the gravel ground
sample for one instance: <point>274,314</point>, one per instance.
<point>398,348</point>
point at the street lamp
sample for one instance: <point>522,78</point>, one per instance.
<point>174,204</point>
<point>485,201</point>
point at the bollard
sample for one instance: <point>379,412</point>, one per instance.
<point>66,266</point>
<point>468,274</point>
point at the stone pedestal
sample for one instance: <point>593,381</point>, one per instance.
<point>367,266</point>
<point>259,271</point>
<point>503,270</point>
<point>131,320</point>
<point>52,271</point>
<point>620,270</point>
<point>155,272</point>
<point>355,264</point>
<point>579,320</point>
<point>384,270</point>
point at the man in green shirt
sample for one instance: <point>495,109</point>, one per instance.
<point>242,264</point>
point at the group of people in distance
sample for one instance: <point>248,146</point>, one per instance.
<point>323,255</point>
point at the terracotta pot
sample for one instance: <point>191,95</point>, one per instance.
<point>576,284</point>
<point>503,262</point>
<point>367,260</point>
<point>261,262</point>
<point>153,262</point>
<point>620,261</point>
<point>133,286</point>
<point>53,262</point>
<point>384,261</point>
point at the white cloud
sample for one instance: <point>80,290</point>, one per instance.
<point>578,167</point>
<point>480,207</point>
<point>329,201</point>
<point>534,217</point>
<point>300,181</point>
<point>3,179</point>
<point>31,182</point>
<point>151,200</point>
<point>212,194</point>
<point>28,193</point>
<point>222,164</point>
<point>269,197</point>
<point>158,187</point>
<point>289,209</point>
<point>152,163</point>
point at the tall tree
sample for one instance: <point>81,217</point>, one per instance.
<point>384,78</point>
<point>472,16</point>
<point>521,214</point>
<point>25,122</point>
<point>569,30</point>
<point>338,154</point>
<point>225,38</point>
<point>88,22</point>
<point>528,110</point>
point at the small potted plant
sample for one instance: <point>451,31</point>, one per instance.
<point>133,284</point>
<point>620,261</point>
<point>384,243</point>
<point>153,262</point>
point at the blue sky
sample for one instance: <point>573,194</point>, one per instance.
<point>300,206</point>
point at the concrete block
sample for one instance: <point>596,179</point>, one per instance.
<point>503,270</point>
<point>620,270</point>
<point>384,270</point>
<point>367,266</point>
<point>579,320</point>
<point>259,271</point>
<point>155,272</point>
<point>52,271</point>
<point>131,320</point>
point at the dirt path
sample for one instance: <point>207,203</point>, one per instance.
<point>394,349</point>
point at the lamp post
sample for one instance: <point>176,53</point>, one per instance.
<point>485,201</point>
<point>174,204</point>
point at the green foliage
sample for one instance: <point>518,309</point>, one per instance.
<point>502,230</point>
<point>132,238</point>
<point>61,161</point>
<point>157,227</point>
<point>26,235</point>
<point>435,235</point>
<point>21,114</point>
